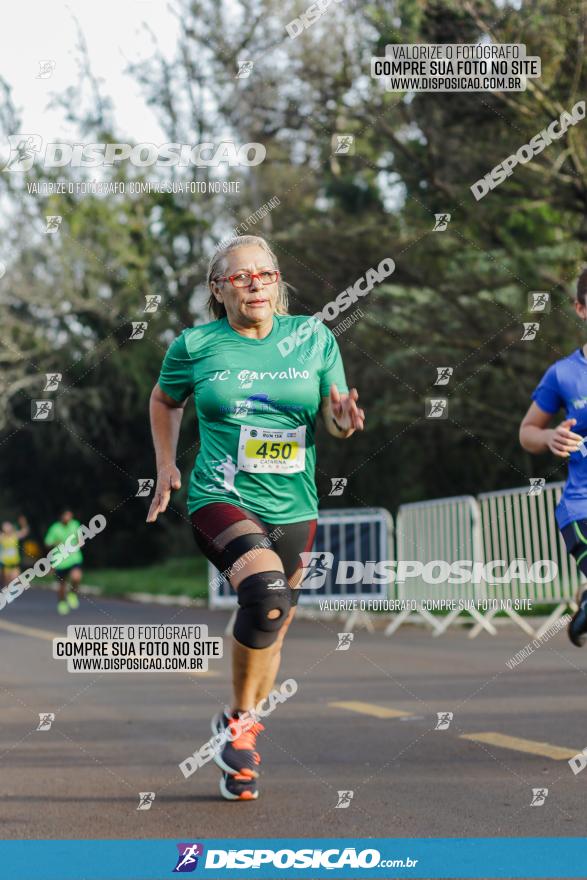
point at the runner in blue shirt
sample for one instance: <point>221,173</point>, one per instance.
<point>564,386</point>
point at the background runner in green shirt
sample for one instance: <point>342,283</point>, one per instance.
<point>69,563</point>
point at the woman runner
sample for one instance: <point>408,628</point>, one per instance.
<point>259,377</point>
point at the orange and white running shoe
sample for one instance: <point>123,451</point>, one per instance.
<point>238,787</point>
<point>238,756</point>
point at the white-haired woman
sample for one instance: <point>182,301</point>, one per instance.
<point>259,377</point>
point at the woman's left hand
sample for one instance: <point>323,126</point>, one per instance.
<point>345,410</point>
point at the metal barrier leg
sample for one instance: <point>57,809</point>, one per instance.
<point>432,620</point>
<point>558,612</point>
<point>403,615</point>
<point>358,617</point>
<point>483,623</point>
<point>446,622</point>
<point>396,622</point>
<point>517,618</point>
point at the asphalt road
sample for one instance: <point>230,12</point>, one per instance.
<point>116,735</point>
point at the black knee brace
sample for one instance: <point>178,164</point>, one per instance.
<point>241,545</point>
<point>257,596</point>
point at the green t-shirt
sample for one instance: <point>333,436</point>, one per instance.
<point>257,413</point>
<point>57,534</point>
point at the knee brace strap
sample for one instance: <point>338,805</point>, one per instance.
<point>257,596</point>
<point>241,545</point>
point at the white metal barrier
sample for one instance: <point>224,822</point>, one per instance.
<point>348,534</point>
<point>520,524</point>
<point>506,525</point>
<point>509,525</point>
<point>446,529</point>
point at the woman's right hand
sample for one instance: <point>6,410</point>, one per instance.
<point>562,441</point>
<point>168,478</point>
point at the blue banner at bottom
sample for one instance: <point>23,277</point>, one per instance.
<point>311,858</point>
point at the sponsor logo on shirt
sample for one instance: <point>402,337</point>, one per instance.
<point>247,377</point>
<point>258,404</point>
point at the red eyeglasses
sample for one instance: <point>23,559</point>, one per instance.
<point>245,279</point>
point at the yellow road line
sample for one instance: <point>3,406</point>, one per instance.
<point>49,635</point>
<point>369,709</point>
<point>546,750</point>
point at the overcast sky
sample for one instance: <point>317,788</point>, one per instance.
<point>46,29</point>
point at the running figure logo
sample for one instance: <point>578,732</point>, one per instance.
<point>242,407</point>
<point>244,70</point>
<point>52,381</point>
<point>539,301</point>
<point>444,375</point>
<point>22,152</point>
<point>529,332</point>
<point>344,641</point>
<point>539,795</point>
<point>344,144</point>
<point>152,302</point>
<point>138,329</point>
<point>53,223</point>
<point>42,410</point>
<point>437,408</point>
<point>145,486</point>
<point>315,567</point>
<point>46,719</point>
<point>46,68</point>
<point>537,484</point>
<point>187,861</point>
<point>338,485</point>
<point>441,222</point>
<point>444,719</point>
<point>344,799</point>
<point>146,799</point>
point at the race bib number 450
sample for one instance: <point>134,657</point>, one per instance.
<point>266,451</point>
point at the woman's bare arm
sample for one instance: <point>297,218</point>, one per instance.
<point>166,415</point>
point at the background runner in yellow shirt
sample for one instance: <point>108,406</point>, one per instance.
<point>10,550</point>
